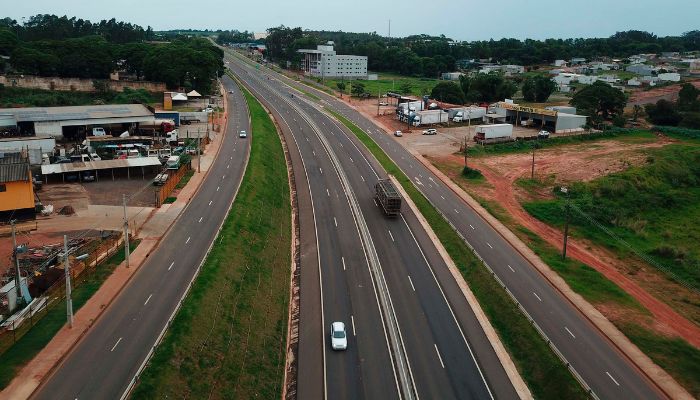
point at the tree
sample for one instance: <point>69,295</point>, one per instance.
<point>538,88</point>
<point>8,41</point>
<point>487,87</point>
<point>599,101</point>
<point>405,88</point>
<point>341,87</point>
<point>664,113</point>
<point>358,88</point>
<point>636,110</point>
<point>448,92</point>
<point>688,97</point>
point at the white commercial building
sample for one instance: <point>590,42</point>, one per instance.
<point>324,62</point>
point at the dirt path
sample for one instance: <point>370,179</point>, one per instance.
<point>503,173</point>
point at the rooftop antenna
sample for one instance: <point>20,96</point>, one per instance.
<point>390,28</point>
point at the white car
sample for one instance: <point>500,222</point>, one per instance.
<point>208,110</point>
<point>339,338</point>
<point>430,132</point>
<point>543,134</point>
<point>398,134</point>
<point>243,134</point>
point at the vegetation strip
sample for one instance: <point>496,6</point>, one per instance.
<point>22,352</point>
<point>544,373</point>
<point>228,339</point>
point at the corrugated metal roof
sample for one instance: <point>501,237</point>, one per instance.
<point>14,173</point>
<point>36,114</point>
<point>13,157</point>
<point>103,164</point>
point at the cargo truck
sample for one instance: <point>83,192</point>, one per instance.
<point>388,197</point>
<point>495,131</point>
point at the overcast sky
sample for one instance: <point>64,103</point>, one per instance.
<point>458,19</point>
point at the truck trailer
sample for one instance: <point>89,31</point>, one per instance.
<point>388,197</point>
<point>495,131</point>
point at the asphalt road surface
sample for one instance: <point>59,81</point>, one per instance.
<point>603,367</point>
<point>448,354</point>
<point>105,361</point>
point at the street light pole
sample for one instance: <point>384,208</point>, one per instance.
<point>566,222</point>
<point>14,254</point>
<point>126,233</point>
<point>66,266</point>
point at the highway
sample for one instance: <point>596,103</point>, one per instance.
<point>447,355</point>
<point>603,367</point>
<point>104,362</point>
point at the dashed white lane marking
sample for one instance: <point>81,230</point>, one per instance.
<point>362,177</point>
<point>328,193</point>
<point>335,221</point>
<point>472,226</point>
<point>572,335</point>
<point>217,188</point>
<point>320,169</point>
<point>438,354</point>
<point>392,236</point>
<point>211,201</point>
<point>375,202</point>
<point>351,160</point>
<point>188,240</point>
<point>489,244</point>
<point>613,379</point>
<point>231,156</point>
<point>120,339</point>
<point>228,165</point>
<point>149,298</point>
<point>200,219</point>
<point>411,282</point>
<point>343,260</point>
<point>410,165</point>
<point>443,197</point>
<point>307,139</point>
<point>171,265</point>
<point>341,145</point>
<point>314,152</point>
<point>511,268</point>
<point>223,176</point>
<point>352,319</point>
<point>538,297</point>
<point>456,211</point>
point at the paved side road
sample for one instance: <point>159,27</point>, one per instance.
<point>103,363</point>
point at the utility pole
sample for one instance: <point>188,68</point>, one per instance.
<point>66,266</point>
<point>566,222</point>
<point>18,277</point>
<point>199,153</point>
<point>379,96</point>
<point>126,233</point>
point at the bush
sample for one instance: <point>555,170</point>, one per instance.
<point>471,173</point>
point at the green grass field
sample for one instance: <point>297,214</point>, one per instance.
<point>229,338</point>
<point>543,372</point>
<point>522,146</point>
<point>389,83</point>
<point>19,354</point>
<point>653,207</point>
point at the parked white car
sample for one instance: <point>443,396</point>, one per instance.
<point>430,132</point>
<point>339,338</point>
<point>243,134</point>
<point>398,134</point>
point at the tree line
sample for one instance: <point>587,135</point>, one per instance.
<point>428,56</point>
<point>48,45</point>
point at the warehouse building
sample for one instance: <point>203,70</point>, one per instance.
<point>558,119</point>
<point>75,121</point>
<point>325,63</point>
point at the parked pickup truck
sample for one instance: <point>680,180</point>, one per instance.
<point>160,179</point>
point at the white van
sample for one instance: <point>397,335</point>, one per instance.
<point>99,131</point>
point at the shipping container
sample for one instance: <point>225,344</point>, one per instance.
<point>494,131</point>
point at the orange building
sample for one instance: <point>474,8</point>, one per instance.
<point>16,188</point>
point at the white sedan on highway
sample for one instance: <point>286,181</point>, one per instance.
<point>339,338</point>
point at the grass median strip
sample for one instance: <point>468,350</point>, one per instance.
<point>544,373</point>
<point>228,339</point>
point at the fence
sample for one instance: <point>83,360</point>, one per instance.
<point>164,191</point>
<point>56,293</point>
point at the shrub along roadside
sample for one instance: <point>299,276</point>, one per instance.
<point>544,373</point>
<point>228,339</point>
